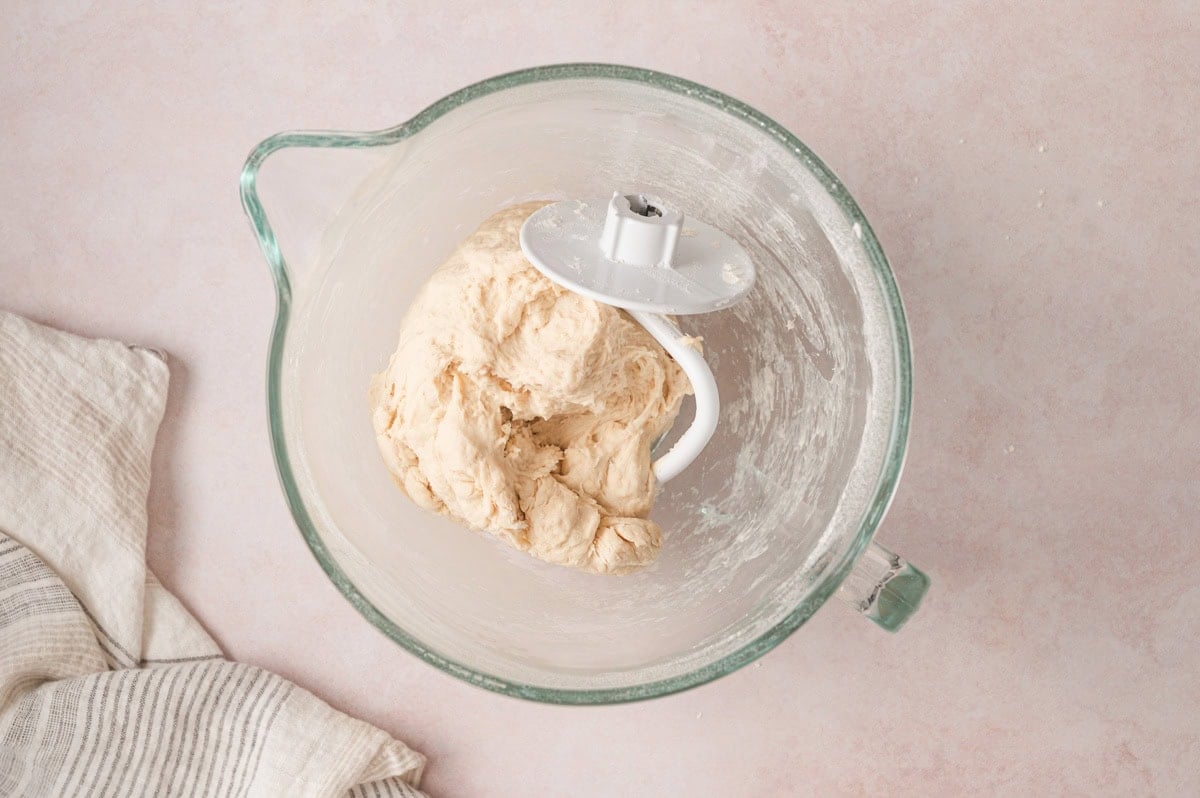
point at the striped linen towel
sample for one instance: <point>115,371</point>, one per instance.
<point>107,685</point>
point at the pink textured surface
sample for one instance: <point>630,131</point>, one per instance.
<point>1033,177</point>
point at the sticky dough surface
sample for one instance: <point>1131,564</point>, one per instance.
<point>519,408</point>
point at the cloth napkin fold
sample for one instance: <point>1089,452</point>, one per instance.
<point>107,685</point>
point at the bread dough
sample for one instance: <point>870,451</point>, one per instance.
<point>517,407</point>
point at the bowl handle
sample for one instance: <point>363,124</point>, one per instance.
<point>884,587</point>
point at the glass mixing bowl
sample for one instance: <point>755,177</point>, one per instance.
<point>813,369</point>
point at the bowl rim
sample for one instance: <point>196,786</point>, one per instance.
<point>882,493</point>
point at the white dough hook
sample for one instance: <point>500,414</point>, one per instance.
<point>634,252</point>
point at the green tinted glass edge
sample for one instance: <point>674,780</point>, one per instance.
<point>885,486</point>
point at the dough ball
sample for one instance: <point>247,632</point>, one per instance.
<point>521,409</point>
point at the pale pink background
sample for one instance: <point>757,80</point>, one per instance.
<point>1033,173</point>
